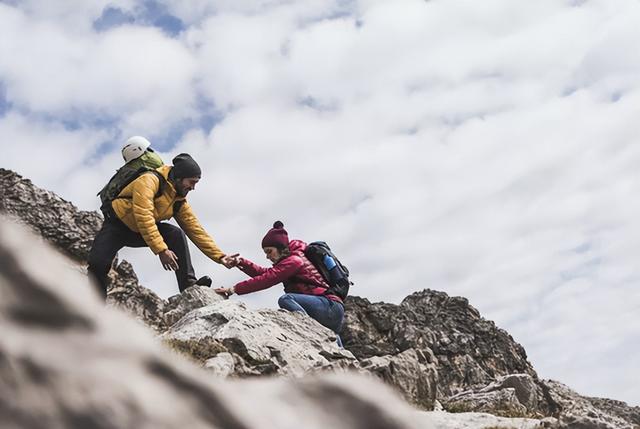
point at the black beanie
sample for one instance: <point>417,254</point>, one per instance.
<point>184,166</point>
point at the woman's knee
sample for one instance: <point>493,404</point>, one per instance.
<point>289,302</point>
<point>285,301</point>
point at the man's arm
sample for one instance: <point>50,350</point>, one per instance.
<point>197,234</point>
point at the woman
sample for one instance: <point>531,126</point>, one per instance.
<point>305,288</point>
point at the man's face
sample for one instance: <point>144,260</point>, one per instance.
<point>184,186</point>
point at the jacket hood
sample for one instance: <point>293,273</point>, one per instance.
<point>297,246</point>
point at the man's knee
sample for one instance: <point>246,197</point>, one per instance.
<point>99,264</point>
<point>171,232</point>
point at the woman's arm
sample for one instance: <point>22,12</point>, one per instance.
<point>270,276</point>
<point>249,268</point>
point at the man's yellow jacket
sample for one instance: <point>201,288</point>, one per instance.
<point>136,207</point>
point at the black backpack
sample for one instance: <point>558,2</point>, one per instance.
<point>333,271</point>
<point>147,163</point>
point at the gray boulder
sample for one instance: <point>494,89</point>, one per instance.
<point>262,342</point>
<point>56,220</point>
<point>470,351</point>
<point>579,412</point>
<point>412,373</point>
<point>515,395</point>
<point>444,420</point>
<point>190,299</point>
<point>127,294</point>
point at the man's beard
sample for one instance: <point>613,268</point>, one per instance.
<point>180,191</point>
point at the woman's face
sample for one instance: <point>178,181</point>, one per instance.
<point>272,253</point>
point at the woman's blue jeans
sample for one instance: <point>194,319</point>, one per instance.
<point>327,312</point>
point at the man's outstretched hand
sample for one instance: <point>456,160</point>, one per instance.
<point>231,261</point>
<point>169,260</point>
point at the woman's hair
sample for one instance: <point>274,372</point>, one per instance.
<point>284,252</point>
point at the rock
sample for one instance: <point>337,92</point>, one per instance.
<point>475,362</point>
<point>502,402</point>
<point>72,231</point>
<point>410,372</point>
<point>222,365</point>
<point>514,395</point>
<point>125,293</point>
<point>444,420</point>
<point>262,342</point>
<point>618,409</point>
<point>524,386</point>
<point>578,412</point>
<point>56,220</point>
<point>192,298</point>
<point>470,351</point>
<point>68,362</point>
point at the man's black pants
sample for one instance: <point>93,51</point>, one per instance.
<point>115,235</point>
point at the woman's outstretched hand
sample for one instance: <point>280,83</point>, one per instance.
<point>224,291</point>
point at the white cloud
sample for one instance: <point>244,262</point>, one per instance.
<point>137,75</point>
<point>486,149</point>
<point>50,155</point>
<point>73,14</point>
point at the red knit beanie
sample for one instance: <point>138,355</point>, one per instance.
<point>276,237</point>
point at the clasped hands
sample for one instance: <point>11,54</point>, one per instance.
<point>228,261</point>
<point>169,260</point>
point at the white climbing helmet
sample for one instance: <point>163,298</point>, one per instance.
<point>134,148</point>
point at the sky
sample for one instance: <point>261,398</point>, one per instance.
<point>486,149</point>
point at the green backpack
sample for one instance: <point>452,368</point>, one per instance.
<point>147,162</point>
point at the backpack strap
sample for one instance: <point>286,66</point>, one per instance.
<point>163,183</point>
<point>177,205</point>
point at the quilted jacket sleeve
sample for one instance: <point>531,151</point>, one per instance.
<point>280,272</point>
<point>143,189</point>
<point>249,268</point>
<point>197,234</point>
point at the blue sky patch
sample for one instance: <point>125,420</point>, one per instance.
<point>156,14</point>
<point>316,104</point>
<point>165,142</point>
<point>150,13</point>
<point>112,17</point>
<point>5,106</point>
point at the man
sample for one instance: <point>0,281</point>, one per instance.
<point>137,218</point>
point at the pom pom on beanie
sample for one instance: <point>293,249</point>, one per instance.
<point>276,236</point>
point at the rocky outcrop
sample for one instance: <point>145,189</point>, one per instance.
<point>126,293</point>
<point>68,362</point>
<point>516,395</point>
<point>581,412</point>
<point>411,372</point>
<point>56,220</point>
<point>71,231</point>
<point>430,348</point>
<point>469,350</point>
<point>265,342</point>
<point>444,420</point>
